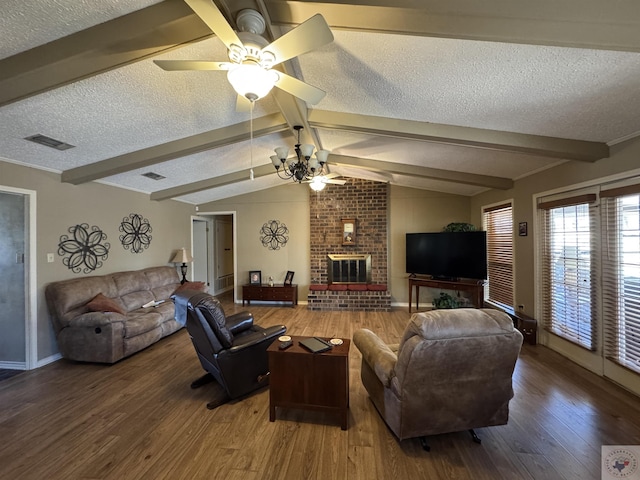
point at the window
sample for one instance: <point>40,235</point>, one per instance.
<point>621,275</point>
<point>569,268</point>
<point>498,222</point>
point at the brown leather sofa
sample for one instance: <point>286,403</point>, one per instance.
<point>102,318</point>
<point>451,372</point>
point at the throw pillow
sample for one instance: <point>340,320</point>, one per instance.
<point>100,303</point>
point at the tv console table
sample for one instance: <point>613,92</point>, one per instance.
<point>475,287</point>
<point>265,293</point>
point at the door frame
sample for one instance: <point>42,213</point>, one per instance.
<point>233,213</point>
<point>209,222</point>
<point>31,298</point>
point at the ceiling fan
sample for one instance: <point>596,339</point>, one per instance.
<point>318,182</point>
<point>252,57</point>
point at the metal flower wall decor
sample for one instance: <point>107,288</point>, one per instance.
<point>85,247</point>
<point>136,232</point>
<point>274,235</point>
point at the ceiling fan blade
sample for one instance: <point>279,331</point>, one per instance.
<point>209,14</point>
<point>329,176</point>
<point>335,182</point>
<point>307,36</point>
<point>298,88</point>
<point>176,65</point>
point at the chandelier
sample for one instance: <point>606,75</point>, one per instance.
<point>302,167</point>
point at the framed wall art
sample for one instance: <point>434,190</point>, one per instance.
<point>522,229</point>
<point>348,231</point>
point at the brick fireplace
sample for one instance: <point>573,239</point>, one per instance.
<point>366,202</point>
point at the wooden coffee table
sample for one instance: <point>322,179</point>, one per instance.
<point>310,381</point>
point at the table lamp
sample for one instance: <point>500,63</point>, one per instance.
<point>182,256</point>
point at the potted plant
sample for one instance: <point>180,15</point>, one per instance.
<point>446,301</point>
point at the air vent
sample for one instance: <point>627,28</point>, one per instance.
<point>153,176</point>
<point>49,142</point>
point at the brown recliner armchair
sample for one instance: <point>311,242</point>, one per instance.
<point>231,349</point>
<point>451,372</point>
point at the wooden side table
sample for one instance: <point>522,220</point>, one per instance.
<point>310,381</point>
<point>265,293</point>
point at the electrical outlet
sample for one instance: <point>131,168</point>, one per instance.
<point>50,258</point>
<point>521,308</point>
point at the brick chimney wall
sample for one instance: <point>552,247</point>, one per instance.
<point>366,202</point>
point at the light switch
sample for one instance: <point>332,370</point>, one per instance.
<point>50,257</point>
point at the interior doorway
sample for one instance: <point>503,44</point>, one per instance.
<point>18,335</point>
<point>213,247</point>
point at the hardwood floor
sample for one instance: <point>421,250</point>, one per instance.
<point>139,419</point>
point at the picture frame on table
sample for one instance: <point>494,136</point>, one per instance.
<point>288,279</point>
<point>255,277</point>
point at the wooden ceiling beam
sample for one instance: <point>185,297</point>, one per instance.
<point>121,41</point>
<point>462,136</point>
<point>175,149</point>
<point>591,24</point>
<point>423,172</point>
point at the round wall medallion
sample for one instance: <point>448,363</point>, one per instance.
<point>274,235</point>
<point>85,249</point>
<point>136,232</point>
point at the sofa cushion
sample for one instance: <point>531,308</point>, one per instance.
<point>100,303</point>
<point>162,281</point>
<point>195,286</point>
<point>140,322</point>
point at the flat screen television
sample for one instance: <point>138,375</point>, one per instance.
<point>448,255</point>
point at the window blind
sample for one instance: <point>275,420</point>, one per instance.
<point>569,269</point>
<point>621,276</point>
<point>498,223</point>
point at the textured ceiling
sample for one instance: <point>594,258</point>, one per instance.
<point>506,96</point>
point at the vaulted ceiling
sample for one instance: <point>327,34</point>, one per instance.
<point>456,96</point>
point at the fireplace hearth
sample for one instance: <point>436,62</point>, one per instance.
<point>345,268</point>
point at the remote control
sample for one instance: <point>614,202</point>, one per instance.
<point>285,345</point>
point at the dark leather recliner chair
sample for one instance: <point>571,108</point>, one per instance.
<point>231,348</point>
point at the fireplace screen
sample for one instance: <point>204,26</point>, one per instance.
<point>349,268</point>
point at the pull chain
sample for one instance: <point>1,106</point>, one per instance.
<point>251,140</point>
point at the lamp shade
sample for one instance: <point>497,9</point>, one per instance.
<point>282,153</point>
<point>322,156</point>
<point>307,150</point>
<point>182,256</point>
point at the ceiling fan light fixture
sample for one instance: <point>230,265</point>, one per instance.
<point>317,184</point>
<point>251,81</point>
